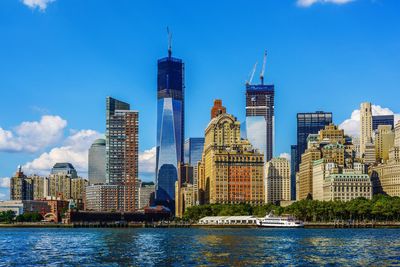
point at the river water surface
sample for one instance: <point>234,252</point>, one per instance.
<point>194,247</point>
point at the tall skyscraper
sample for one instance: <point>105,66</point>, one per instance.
<point>366,126</point>
<point>293,163</point>
<point>170,126</point>
<point>260,117</point>
<point>122,150</point>
<point>309,123</point>
<point>97,162</point>
<point>277,181</point>
<point>382,120</point>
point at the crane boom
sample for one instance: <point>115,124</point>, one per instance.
<point>263,68</point>
<point>252,74</point>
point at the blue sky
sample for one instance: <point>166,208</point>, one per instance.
<point>60,59</point>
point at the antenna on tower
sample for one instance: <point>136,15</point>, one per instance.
<point>169,42</point>
<point>263,68</point>
<point>251,76</point>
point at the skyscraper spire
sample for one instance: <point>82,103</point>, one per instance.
<point>169,42</point>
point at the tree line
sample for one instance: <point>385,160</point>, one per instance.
<point>379,208</point>
<point>10,217</point>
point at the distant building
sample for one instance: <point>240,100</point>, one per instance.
<point>346,187</point>
<point>66,169</point>
<point>260,117</point>
<point>184,198</point>
<point>309,123</point>
<point>369,154</point>
<point>122,150</point>
<point>21,187</point>
<point>170,126</point>
<point>277,182</point>
<point>193,150</point>
<point>397,135</point>
<point>146,192</point>
<point>25,206</point>
<point>97,162</point>
<point>366,126</point>
<point>104,197</point>
<point>293,164</point>
<point>384,141</point>
<point>305,174</point>
<point>63,187</point>
<point>231,171</point>
<point>382,120</point>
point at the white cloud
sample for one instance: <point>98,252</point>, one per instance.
<point>5,182</point>
<point>147,161</point>
<point>285,156</point>
<point>40,4</point>
<point>74,150</point>
<point>308,3</point>
<point>32,136</point>
<point>352,126</point>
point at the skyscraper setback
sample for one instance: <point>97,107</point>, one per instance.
<point>366,126</point>
<point>170,126</point>
<point>122,150</point>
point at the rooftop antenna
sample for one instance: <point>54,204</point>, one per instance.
<point>169,42</point>
<point>251,76</point>
<point>263,68</point>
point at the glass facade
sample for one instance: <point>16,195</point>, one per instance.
<point>170,127</point>
<point>309,123</point>
<point>293,163</point>
<point>193,150</point>
<point>260,116</point>
<point>64,169</point>
<point>97,162</point>
<point>382,120</point>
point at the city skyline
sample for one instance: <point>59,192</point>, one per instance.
<point>71,133</point>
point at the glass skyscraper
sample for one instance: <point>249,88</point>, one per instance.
<point>293,163</point>
<point>382,120</point>
<point>260,116</point>
<point>309,123</point>
<point>170,126</point>
<point>193,150</point>
<point>97,162</point>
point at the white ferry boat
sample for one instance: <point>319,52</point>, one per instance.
<point>279,222</point>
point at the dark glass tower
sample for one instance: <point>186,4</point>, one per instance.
<point>309,123</point>
<point>170,126</point>
<point>260,116</point>
<point>382,120</point>
<point>293,163</point>
<point>193,150</point>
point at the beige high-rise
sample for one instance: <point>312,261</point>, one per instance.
<point>397,134</point>
<point>277,182</point>
<point>366,126</point>
<point>384,141</point>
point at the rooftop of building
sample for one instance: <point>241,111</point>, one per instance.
<point>100,141</point>
<point>63,165</point>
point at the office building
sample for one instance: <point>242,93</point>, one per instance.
<point>305,174</point>
<point>231,171</point>
<point>170,126</point>
<point>384,141</point>
<point>64,168</point>
<point>293,163</point>
<point>122,150</point>
<point>347,186</point>
<point>193,150</point>
<point>366,126</point>
<point>146,194</point>
<point>97,162</point>
<point>184,198</point>
<point>260,117</point>
<point>309,123</point>
<point>104,197</point>
<point>378,120</point>
<point>277,182</point>
<point>397,135</point>
<point>21,187</point>
<point>63,187</point>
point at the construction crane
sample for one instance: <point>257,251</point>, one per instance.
<point>169,42</point>
<point>251,76</point>
<point>263,68</point>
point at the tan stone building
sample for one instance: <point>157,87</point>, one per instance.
<point>332,133</point>
<point>231,171</point>
<point>184,198</point>
<point>384,141</point>
<point>345,187</point>
<point>305,184</point>
<point>277,181</point>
